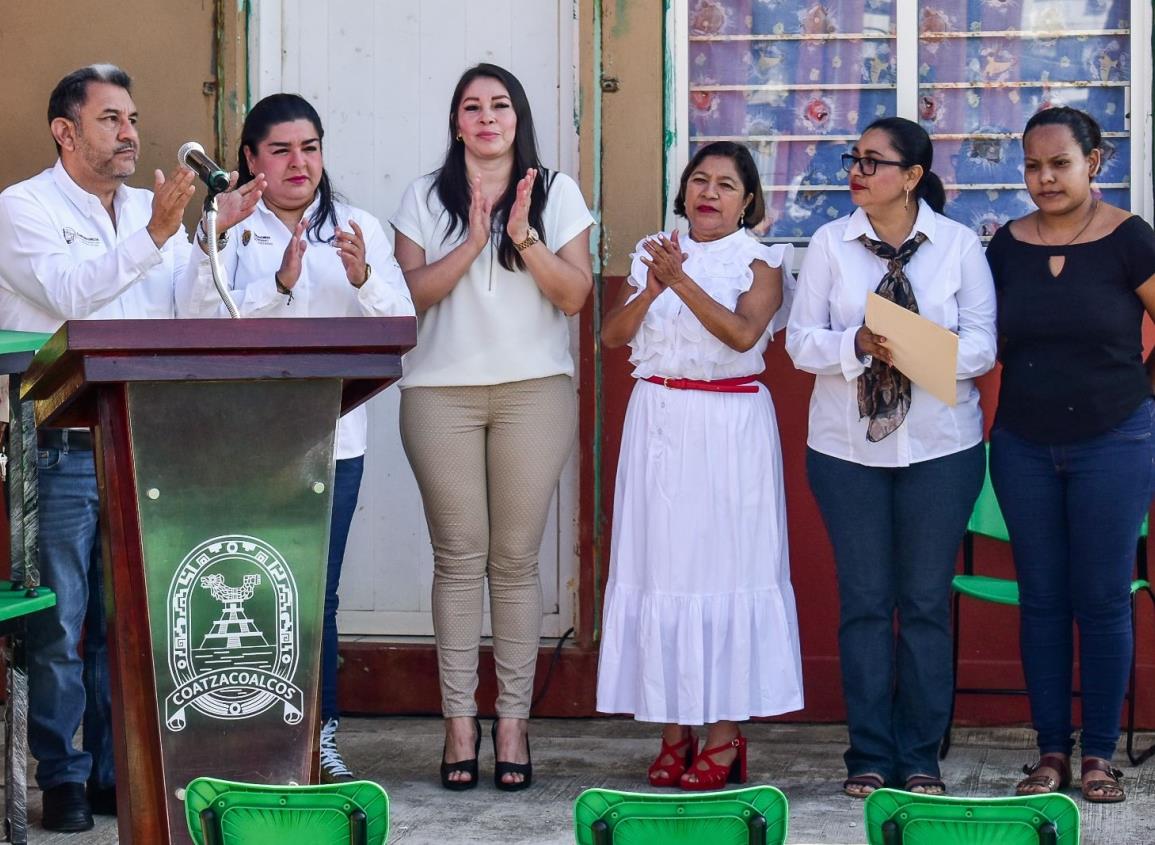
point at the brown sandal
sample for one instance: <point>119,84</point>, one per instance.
<point>1106,790</point>
<point>859,786</point>
<point>925,785</point>
<point>1041,784</point>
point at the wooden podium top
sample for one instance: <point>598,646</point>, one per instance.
<point>364,352</point>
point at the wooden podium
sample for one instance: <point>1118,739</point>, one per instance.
<point>214,451</point>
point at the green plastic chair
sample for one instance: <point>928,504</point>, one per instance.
<point>24,595</point>
<point>987,521</point>
<point>17,602</point>
<point>905,818</point>
<point>753,816</point>
<point>221,812</point>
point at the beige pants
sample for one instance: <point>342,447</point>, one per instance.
<point>487,460</point>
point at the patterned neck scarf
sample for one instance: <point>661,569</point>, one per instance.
<point>884,392</point>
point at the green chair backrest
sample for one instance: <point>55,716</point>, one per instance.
<point>21,342</point>
<point>987,517</point>
<point>221,812</point>
<point>905,818</point>
<point>757,814</point>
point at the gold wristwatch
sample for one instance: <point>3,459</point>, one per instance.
<point>530,239</point>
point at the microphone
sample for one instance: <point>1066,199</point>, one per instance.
<point>192,155</point>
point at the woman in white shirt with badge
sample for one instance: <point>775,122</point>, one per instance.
<point>303,253</point>
<point>496,253</point>
<point>895,470</point>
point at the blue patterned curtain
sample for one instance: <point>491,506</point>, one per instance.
<point>797,80</point>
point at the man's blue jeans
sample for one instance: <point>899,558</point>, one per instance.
<point>65,689</point>
<point>346,486</point>
<point>896,533</point>
<point>1073,512</point>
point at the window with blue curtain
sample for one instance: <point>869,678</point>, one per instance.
<point>985,67</point>
<point>798,80</point>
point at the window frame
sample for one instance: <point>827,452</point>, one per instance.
<point>677,112</point>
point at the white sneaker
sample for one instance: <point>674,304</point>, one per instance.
<point>333,768</point>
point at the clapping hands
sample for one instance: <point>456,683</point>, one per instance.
<point>664,263</point>
<point>518,225</point>
<point>351,247</point>
<point>290,270</point>
<point>480,215</point>
<point>235,204</point>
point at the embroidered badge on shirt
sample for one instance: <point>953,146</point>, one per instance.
<point>71,236</point>
<point>250,234</point>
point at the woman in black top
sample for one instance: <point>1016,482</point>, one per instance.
<point>1072,452</point>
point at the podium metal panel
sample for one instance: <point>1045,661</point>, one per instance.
<point>234,487</point>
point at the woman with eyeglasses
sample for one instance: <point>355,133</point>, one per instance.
<point>895,470</point>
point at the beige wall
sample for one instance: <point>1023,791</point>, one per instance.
<point>631,151</point>
<point>166,47</point>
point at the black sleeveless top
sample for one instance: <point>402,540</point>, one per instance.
<point>1071,345</point>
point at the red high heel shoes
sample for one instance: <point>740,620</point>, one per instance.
<point>716,775</point>
<point>683,754</point>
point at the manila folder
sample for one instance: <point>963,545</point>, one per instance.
<point>923,351</point>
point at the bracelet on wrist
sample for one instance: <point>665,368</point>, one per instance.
<point>368,273</point>
<point>282,289</point>
<point>203,237</point>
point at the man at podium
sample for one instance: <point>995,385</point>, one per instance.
<point>77,243</point>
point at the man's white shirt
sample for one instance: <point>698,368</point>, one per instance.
<point>61,257</point>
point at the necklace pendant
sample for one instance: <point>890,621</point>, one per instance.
<point>1078,234</point>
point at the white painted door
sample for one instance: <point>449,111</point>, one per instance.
<point>381,75</point>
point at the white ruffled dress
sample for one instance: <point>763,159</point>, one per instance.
<point>700,623</point>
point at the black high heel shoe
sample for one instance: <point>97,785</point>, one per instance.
<point>469,767</point>
<point>502,768</point>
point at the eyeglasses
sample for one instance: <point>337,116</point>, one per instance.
<point>868,166</point>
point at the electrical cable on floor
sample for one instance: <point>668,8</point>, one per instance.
<point>549,671</point>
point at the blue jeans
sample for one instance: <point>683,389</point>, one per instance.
<point>896,533</point>
<point>1073,512</point>
<point>346,486</point>
<point>63,688</point>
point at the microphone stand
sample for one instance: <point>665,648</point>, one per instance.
<point>214,255</point>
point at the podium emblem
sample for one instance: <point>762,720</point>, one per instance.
<point>232,633</point>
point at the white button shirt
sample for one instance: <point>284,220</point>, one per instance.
<point>252,257</point>
<point>61,257</point>
<point>953,286</point>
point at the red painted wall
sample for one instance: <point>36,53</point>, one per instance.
<point>989,642</point>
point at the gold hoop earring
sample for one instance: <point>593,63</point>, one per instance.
<point>458,136</point>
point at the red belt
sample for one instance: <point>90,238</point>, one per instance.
<point>741,384</point>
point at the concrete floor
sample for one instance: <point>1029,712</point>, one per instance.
<point>804,761</point>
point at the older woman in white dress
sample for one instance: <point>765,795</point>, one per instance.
<point>700,625</point>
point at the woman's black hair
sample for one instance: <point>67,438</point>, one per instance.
<point>914,147</point>
<point>452,182</point>
<point>1084,128</point>
<point>747,170</point>
<point>267,113</point>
